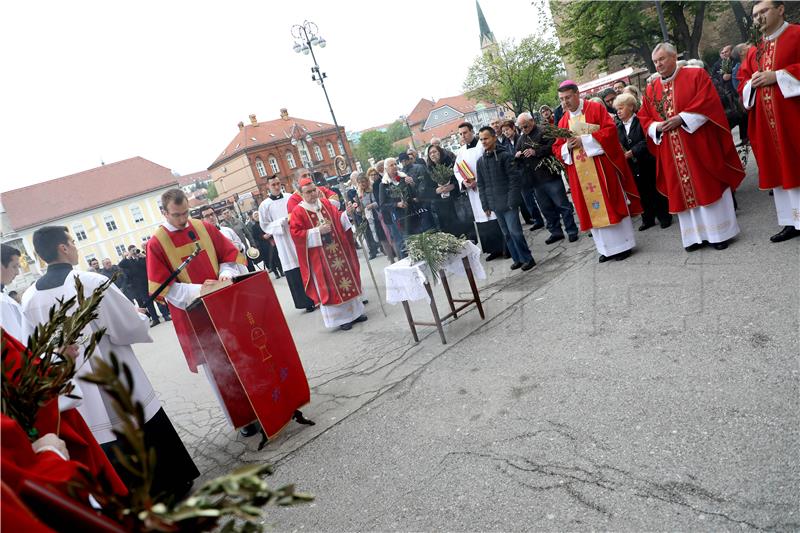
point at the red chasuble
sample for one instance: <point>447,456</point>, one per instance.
<point>166,250</point>
<point>69,426</point>
<point>295,198</point>
<point>335,263</point>
<point>692,169</point>
<point>599,190</point>
<point>773,119</point>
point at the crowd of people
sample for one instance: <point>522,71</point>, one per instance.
<point>664,152</point>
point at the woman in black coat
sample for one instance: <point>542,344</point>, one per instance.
<point>641,161</point>
<point>444,202</point>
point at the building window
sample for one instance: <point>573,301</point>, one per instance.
<point>290,160</point>
<point>331,153</point>
<point>120,248</point>
<point>138,215</point>
<point>145,239</point>
<point>305,157</point>
<point>262,171</point>
<point>79,231</point>
<point>273,164</point>
<point>111,225</point>
<point>317,152</point>
<point>341,147</point>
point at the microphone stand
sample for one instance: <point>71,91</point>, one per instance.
<point>174,275</point>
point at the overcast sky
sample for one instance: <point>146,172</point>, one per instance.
<point>92,81</point>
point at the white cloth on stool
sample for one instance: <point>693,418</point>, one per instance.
<point>787,204</point>
<point>614,239</point>
<point>713,223</point>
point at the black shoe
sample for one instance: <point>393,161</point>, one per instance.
<point>536,226</point>
<point>346,327</point>
<point>310,309</point>
<point>554,238</point>
<point>602,259</point>
<point>694,247</point>
<point>362,318</point>
<point>573,238</point>
<point>788,232</point>
<point>154,323</point>
<point>494,255</point>
<point>646,225</point>
<point>720,245</point>
<point>365,301</point>
<point>516,265</point>
<point>622,255</point>
<point>666,223</point>
<point>249,430</point>
<point>168,319</point>
<point>529,265</point>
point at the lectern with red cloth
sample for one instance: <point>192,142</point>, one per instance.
<point>249,352</point>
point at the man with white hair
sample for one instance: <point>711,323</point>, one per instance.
<point>697,166</point>
<point>771,93</point>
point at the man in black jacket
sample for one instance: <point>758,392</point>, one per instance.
<point>547,184</point>
<point>509,140</point>
<point>134,265</point>
<point>499,189</point>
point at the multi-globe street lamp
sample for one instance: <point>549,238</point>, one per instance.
<point>306,37</point>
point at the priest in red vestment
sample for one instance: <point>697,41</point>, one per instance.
<point>219,259</point>
<point>328,261</point>
<point>770,86</point>
<point>295,198</point>
<point>603,189</point>
<point>697,167</point>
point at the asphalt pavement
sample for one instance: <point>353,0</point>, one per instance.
<point>655,393</point>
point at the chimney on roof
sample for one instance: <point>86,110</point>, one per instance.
<point>253,121</point>
<point>284,114</point>
<point>241,126</point>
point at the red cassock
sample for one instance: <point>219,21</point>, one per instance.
<point>68,425</point>
<point>335,263</point>
<point>772,119</point>
<point>613,174</point>
<point>692,169</point>
<point>166,250</point>
<point>295,198</point>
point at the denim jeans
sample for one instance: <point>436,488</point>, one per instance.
<point>555,206</point>
<point>515,239</point>
<point>529,197</point>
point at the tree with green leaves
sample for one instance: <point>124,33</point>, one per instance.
<point>398,130</point>
<point>516,76</point>
<point>594,30</point>
<point>211,192</point>
<point>375,144</point>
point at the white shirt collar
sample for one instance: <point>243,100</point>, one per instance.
<point>629,121</point>
<point>777,33</point>
<point>578,111</point>
<point>170,227</point>
<point>311,207</point>
<point>677,68</point>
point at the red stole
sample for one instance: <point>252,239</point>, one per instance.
<point>614,178</point>
<point>166,250</point>
<point>335,264</point>
<point>692,169</point>
<point>773,118</point>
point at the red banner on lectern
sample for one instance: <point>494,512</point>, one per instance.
<point>250,353</point>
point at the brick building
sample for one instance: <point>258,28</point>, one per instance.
<point>261,150</point>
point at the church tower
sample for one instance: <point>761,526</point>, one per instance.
<point>488,42</point>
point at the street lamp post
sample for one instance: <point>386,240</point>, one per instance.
<point>404,118</point>
<point>306,36</point>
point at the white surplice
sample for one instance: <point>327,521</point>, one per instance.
<point>124,326</point>
<point>273,216</point>
<point>470,156</point>
<point>787,205</point>
<point>713,223</point>
<point>11,318</point>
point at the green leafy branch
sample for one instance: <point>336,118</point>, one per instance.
<point>433,248</point>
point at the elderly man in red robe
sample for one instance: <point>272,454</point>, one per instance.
<point>697,167</point>
<point>295,198</point>
<point>770,85</point>
<point>601,182</point>
<point>219,259</point>
<point>328,260</point>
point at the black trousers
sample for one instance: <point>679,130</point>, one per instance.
<point>654,204</point>
<point>142,300</point>
<point>174,466</point>
<point>295,281</point>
